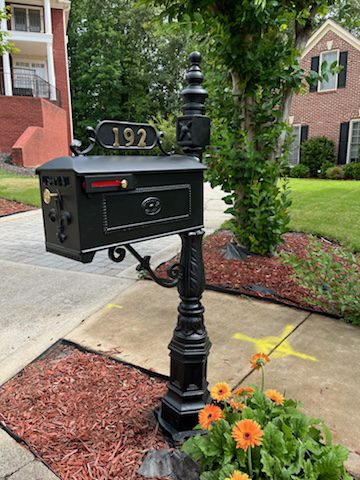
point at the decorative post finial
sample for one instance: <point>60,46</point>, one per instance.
<point>193,129</point>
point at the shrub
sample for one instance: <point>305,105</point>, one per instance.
<point>356,171</point>
<point>332,277</point>
<point>348,170</point>
<point>315,152</point>
<point>334,173</point>
<point>259,434</point>
<point>300,171</point>
<point>323,168</point>
<point>168,127</point>
<point>285,170</point>
<point>352,171</point>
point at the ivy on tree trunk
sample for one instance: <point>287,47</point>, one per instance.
<point>253,49</point>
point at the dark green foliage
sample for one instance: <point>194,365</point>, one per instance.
<point>347,13</point>
<point>168,127</point>
<point>300,171</point>
<point>252,51</point>
<point>356,171</point>
<point>335,173</point>
<point>257,201</point>
<point>352,171</point>
<point>315,152</point>
<point>323,169</point>
<point>122,65</point>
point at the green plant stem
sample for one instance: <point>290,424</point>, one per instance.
<point>250,462</point>
<point>262,378</point>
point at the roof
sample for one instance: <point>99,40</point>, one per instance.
<point>122,164</point>
<point>330,26</point>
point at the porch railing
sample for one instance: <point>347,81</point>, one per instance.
<point>28,84</point>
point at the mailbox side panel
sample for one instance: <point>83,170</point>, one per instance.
<point>60,215</point>
<point>158,204</point>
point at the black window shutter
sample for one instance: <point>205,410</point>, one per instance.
<point>343,60</point>
<point>315,63</point>
<point>343,142</point>
<point>304,134</point>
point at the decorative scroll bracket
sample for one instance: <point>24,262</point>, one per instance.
<point>115,135</point>
<point>117,254</point>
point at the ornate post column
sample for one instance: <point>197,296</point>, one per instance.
<point>189,348</point>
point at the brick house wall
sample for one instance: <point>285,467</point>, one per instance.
<point>324,112</point>
<point>34,130</point>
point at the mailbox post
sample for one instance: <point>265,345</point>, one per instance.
<point>92,203</point>
<point>189,348</point>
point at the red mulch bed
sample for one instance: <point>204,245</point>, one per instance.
<point>8,207</point>
<point>86,415</point>
<point>269,272</point>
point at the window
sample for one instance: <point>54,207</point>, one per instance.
<point>332,81</point>
<point>27,19</point>
<point>354,141</point>
<point>295,145</point>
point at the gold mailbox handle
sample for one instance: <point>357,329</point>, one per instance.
<point>47,196</point>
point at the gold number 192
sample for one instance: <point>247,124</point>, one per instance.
<point>129,137</point>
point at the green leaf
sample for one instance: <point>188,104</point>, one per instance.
<point>227,471</point>
<point>217,438</point>
<point>330,465</point>
<point>192,448</point>
<point>210,475</point>
<point>273,441</point>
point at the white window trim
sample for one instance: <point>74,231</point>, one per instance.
<point>354,120</point>
<point>336,74</point>
<point>298,156</point>
<point>27,7</point>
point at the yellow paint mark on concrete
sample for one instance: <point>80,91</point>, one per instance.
<point>266,344</point>
<point>113,305</point>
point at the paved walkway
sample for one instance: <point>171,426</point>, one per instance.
<point>17,463</point>
<point>44,296</point>
<point>314,359</point>
<point>22,241</point>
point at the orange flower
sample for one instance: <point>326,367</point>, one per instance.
<point>208,415</point>
<point>236,405</point>
<point>249,391</point>
<point>247,433</point>
<point>275,396</point>
<point>259,360</point>
<point>220,392</point>
<point>238,476</point>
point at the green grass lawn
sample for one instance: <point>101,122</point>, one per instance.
<point>20,189</point>
<point>330,208</point>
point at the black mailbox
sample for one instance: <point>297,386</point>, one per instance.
<point>103,202</point>
<point>96,202</point>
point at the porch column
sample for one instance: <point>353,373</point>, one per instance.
<point>49,50</point>
<point>51,70</point>
<point>6,59</point>
<point>47,16</point>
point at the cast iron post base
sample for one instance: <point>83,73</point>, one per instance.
<point>189,348</point>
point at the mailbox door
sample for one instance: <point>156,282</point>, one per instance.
<point>156,204</point>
